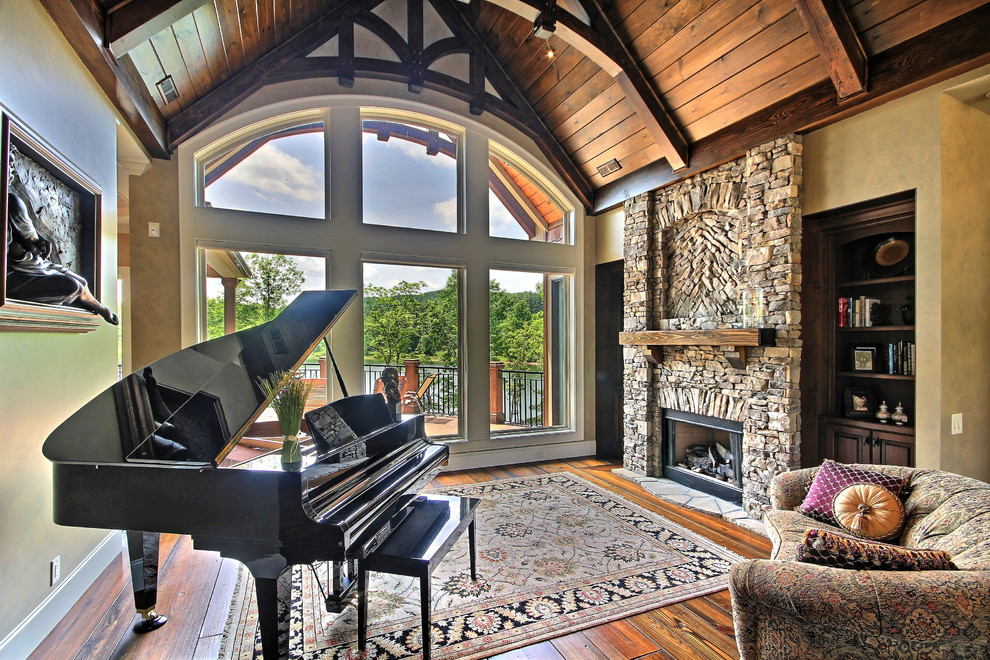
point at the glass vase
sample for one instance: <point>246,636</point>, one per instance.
<point>291,453</point>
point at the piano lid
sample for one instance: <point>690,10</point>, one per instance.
<point>191,407</point>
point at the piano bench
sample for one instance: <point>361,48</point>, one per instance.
<point>415,548</point>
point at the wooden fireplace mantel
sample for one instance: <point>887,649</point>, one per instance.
<point>736,340</point>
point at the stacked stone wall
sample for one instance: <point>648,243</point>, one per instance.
<point>690,250</point>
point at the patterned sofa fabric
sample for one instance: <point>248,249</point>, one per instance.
<point>786,609</point>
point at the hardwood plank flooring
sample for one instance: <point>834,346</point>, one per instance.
<point>195,588</point>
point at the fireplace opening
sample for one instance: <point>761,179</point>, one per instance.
<point>703,452</point>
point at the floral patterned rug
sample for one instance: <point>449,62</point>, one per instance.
<point>555,554</point>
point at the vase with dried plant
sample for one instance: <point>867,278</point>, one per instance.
<point>288,393</point>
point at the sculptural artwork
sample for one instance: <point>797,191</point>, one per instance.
<point>390,389</point>
<point>33,276</point>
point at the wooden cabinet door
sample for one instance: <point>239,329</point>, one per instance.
<point>893,448</point>
<point>848,444</point>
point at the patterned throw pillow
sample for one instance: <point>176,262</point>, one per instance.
<point>819,546</point>
<point>833,477</point>
<point>869,511</point>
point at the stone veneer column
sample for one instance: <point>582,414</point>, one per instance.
<point>690,248</point>
<point>636,409</point>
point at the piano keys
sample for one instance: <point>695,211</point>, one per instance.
<point>145,456</point>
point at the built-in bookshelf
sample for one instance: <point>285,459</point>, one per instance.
<point>860,353</point>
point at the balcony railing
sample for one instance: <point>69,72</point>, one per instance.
<point>440,399</point>
<point>522,397</point>
<point>521,394</point>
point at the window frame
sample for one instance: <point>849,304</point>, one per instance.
<point>345,238</point>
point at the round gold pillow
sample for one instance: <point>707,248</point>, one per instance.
<point>869,511</point>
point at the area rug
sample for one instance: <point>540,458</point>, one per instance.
<point>555,554</point>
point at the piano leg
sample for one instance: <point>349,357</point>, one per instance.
<point>142,548</point>
<point>273,587</point>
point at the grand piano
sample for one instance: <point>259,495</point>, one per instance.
<point>145,456</point>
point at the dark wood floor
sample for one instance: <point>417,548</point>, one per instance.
<point>195,590</point>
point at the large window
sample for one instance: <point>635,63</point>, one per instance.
<point>526,312</point>
<point>411,331</point>
<point>409,175</point>
<point>475,331</point>
<point>281,172</point>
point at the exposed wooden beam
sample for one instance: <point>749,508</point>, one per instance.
<point>510,91</point>
<point>264,70</point>
<point>945,51</point>
<point>638,89</point>
<point>838,44</point>
<point>131,23</point>
<point>82,24</point>
<point>601,44</point>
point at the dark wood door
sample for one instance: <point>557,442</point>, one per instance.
<point>608,360</point>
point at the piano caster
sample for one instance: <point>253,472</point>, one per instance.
<point>150,620</point>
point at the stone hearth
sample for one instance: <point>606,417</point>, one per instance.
<point>691,250</point>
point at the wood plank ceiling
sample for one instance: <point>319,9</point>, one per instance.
<point>664,87</point>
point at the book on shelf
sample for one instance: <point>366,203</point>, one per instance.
<point>901,359</point>
<point>861,312</point>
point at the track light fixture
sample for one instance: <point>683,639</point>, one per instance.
<point>546,22</point>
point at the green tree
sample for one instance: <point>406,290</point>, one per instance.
<point>439,338</point>
<point>274,278</point>
<point>500,303</point>
<point>524,344</point>
<point>392,319</point>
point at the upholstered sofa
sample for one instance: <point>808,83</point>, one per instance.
<point>786,609</point>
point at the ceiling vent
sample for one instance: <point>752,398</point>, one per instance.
<point>167,88</point>
<point>610,167</point>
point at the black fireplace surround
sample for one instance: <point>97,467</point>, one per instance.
<point>683,430</point>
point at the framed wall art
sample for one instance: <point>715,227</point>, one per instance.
<point>51,234</point>
<point>863,357</point>
<point>859,402</point>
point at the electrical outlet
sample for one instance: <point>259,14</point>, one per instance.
<point>154,229</point>
<point>55,570</point>
<point>956,423</point>
<point>538,453</point>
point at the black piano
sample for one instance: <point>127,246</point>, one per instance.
<point>145,456</point>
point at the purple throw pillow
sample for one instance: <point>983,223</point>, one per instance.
<point>833,477</point>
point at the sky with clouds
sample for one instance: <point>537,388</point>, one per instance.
<point>284,177</point>
<point>403,186</point>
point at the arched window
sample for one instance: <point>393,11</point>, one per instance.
<point>280,172</point>
<point>409,231</point>
<point>520,204</point>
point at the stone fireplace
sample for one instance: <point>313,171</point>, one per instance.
<point>695,251</point>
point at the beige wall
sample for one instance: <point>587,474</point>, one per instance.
<point>154,197</point>
<point>608,235</point>
<point>47,376</point>
<point>966,285</point>
<point>903,145</point>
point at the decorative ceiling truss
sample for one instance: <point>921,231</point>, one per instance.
<point>411,65</point>
<point>659,89</point>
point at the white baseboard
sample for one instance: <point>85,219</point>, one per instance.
<point>30,632</point>
<point>470,460</point>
